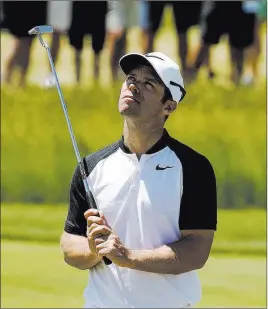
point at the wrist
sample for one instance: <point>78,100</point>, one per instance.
<point>131,258</point>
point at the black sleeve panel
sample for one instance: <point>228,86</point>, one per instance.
<point>78,204</point>
<point>198,209</point>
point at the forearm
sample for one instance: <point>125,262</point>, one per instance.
<point>77,253</point>
<point>176,258</point>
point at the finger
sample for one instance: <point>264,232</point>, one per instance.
<point>101,246</point>
<point>92,227</point>
<point>103,218</point>
<point>103,252</point>
<point>100,240</point>
<point>99,230</point>
<point>94,219</point>
<point>91,212</point>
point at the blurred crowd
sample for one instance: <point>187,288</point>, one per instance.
<point>111,20</point>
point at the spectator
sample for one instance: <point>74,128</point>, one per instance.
<point>253,11</point>
<point>19,19</point>
<point>186,15</point>
<point>88,17</point>
<point>59,14</point>
<point>1,14</point>
<point>121,17</point>
<point>226,17</point>
<point>144,24</point>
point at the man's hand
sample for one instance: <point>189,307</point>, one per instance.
<point>97,225</point>
<point>112,247</point>
<point>103,241</point>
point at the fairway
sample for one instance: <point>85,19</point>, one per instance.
<point>38,225</point>
<point>40,279</point>
<point>33,268</point>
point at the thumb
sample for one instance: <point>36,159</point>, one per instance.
<point>103,218</point>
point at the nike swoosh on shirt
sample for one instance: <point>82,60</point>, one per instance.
<point>158,168</point>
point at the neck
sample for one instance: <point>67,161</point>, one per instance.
<point>139,138</point>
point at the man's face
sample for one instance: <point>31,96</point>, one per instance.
<point>141,96</point>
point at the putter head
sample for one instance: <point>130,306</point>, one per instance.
<point>41,30</point>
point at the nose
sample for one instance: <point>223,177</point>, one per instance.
<point>133,88</point>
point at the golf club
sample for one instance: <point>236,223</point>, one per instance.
<point>38,31</point>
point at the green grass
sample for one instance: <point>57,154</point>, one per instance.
<point>240,232</point>
<point>38,164</point>
<point>35,276</point>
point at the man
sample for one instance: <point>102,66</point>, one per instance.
<point>122,16</point>
<point>225,17</point>
<point>144,24</point>
<point>19,19</point>
<point>186,15</point>
<point>157,201</point>
<point>253,10</point>
<point>84,22</point>
<point>59,15</point>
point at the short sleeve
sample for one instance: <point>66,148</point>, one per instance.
<point>198,209</point>
<point>75,222</point>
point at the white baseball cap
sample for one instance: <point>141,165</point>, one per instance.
<point>166,69</point>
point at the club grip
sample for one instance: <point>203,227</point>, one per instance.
<point>107,261</point>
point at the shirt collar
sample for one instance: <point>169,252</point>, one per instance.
<point>159,145</point>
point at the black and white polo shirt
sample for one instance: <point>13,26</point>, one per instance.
<point>147,202</point>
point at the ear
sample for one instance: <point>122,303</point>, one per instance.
<point>169,107</point>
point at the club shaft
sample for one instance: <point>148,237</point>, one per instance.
<point>76,150</point>
<point>77,153</point>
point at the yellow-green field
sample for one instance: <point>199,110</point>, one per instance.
<point>34,274</point>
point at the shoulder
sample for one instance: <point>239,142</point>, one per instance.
<point>94,158</point>
<point>188,156</point>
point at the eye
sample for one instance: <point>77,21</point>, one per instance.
<point>131,79</point>
<point>149,86</point>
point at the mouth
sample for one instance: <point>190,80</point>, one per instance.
<point>130,99</point>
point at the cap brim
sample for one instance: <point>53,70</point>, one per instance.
<point>131,61</point>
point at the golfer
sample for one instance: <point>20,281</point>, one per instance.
<point>157,201</point>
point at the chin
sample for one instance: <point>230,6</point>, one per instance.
<point>127,110</point>
<point>128,113</point>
